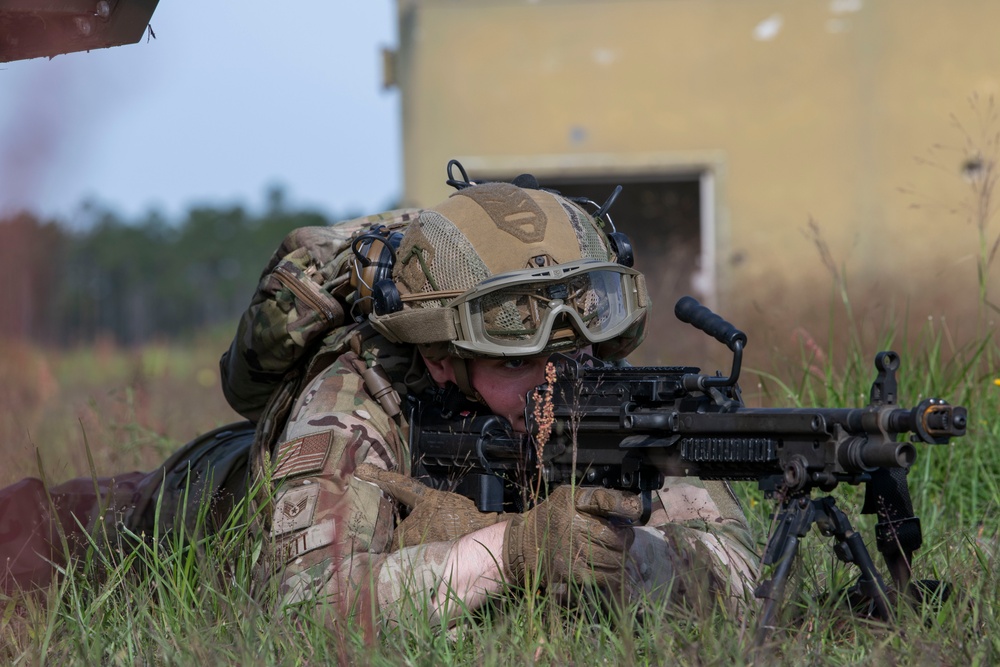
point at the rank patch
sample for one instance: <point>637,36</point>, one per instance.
<point>305,455</point>
<point>294,509</point>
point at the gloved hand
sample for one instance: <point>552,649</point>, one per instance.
<point>435,516</point>
<point>562,541</point>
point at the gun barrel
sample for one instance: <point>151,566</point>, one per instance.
<point>933,421</point>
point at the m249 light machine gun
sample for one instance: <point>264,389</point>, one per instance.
<point>630,427</point>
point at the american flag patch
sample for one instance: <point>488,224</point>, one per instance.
<point>305,455</point>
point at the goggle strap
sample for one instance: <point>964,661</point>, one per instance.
<point>417,325</point>
<point>439,295</point>
<point>460,369</point>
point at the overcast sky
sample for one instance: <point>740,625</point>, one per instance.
<point>231,97</point>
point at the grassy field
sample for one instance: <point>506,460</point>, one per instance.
<point>192,605</point>
<point>133,406</point>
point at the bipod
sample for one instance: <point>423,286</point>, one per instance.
<point>795,516</point>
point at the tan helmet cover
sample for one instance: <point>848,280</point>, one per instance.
<point>483,231</point>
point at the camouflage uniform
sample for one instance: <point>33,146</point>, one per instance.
<point>331,534</point>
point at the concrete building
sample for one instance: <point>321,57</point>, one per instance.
<point>749,135</point>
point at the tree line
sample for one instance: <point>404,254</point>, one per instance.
<point>136,280</point>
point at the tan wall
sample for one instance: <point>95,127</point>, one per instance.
<point>825,118</point>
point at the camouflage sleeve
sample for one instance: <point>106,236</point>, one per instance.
<point>696,548</point>
<point>330,532</point>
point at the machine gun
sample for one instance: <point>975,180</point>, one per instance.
<point>631,427</point>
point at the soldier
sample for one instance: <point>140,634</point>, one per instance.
<point>485,286</point>
<point>470,309</point>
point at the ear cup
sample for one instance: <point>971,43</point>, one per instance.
<point>375,256</point>
<point>385,297</point>
<point>622,248</point>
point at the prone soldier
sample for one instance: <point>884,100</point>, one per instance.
<point>483,288</point>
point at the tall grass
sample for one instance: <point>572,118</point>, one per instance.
<point>184,599</point>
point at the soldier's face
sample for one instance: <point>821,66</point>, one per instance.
<point>503,383</point>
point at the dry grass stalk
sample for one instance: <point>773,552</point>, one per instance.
<point>544,414</point>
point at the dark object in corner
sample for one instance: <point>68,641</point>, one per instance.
<point>33,29</point>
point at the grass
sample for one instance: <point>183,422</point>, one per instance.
<point>134,406</point>
<point>176,602</point>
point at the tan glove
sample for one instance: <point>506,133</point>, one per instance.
<point>559,541</point>
<point>435,516</point>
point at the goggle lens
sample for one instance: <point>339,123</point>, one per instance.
<point>520,318</point>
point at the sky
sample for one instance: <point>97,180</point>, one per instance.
<point>230,98</point>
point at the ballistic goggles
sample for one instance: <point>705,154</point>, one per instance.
<point>521,313</point>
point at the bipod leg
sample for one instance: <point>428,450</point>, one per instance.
<point>793,520</point>
<point>850,548</point>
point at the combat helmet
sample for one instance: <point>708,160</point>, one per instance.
<point>508,270</point>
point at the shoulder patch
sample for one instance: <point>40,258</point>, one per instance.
<point>303,455</point>
<point>294,509</point>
